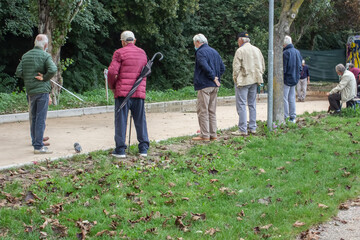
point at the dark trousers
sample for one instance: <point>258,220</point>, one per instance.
<point>334,101</point>
<point>137,108</point>
<point>39,104</point>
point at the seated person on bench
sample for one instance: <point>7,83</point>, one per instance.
<point>344,91</point>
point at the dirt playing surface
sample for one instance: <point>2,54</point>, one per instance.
<point>95,132</point>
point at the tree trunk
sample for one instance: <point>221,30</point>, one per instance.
<point>48,22</point>
<point>46,25</point>
<point>282,28</point>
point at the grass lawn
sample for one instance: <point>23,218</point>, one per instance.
<point>272,185</point>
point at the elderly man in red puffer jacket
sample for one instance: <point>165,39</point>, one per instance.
<point>125,67</point>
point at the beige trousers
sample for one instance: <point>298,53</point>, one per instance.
<point>206,111</point>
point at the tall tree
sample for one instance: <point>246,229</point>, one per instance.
<point>288,14</point>
<point>55,17</point>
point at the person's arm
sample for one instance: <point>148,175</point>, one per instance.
<point>51,69</point>
<point>308,74</point>
<point>285,61</point>
<point>236,66</point>
<point>114,70</point>
<point>344,81</point>
<point>19,70</point>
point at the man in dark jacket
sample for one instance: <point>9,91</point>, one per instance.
<point>292,68</point>
<point>37,68</point>
<point>208,69</point>
<point>303,82</point>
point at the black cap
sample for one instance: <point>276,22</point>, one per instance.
<point>243,34</point>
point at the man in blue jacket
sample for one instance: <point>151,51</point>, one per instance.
<point>292,69</point>
<point>208,69</point>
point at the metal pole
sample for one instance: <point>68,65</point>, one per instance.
<point>271,65</point>
<point>66,90</point>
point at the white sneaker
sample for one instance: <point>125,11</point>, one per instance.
<point>253,131</point>
<point>118,155</point>
<point>293,120</point>
<point>43,150</point>
<point>239,133</point>
<point>143,154</point>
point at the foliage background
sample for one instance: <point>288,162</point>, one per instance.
<point>167,26</point>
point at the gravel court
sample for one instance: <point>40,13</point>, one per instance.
<point>95,132</point>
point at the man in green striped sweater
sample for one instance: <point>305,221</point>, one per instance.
<point>37,68</point>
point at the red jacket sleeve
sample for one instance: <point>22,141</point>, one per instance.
<point>114,69</point>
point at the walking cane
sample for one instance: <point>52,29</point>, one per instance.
<point>129,133</point>
<point>106,85</point>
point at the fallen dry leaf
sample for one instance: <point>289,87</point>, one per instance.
<point>167,194</point>
<point>28,228</point>
<point>265,201</point>
<point>320,205</point>
<point>344,206</point>
<point>266,226</point>
<point>212,231</point>
<point>47,221</point>
<point>241,214</point>
<point>198,216</point>
<point>179,223</point>
<point>213,171</point>
<point>103,232</point>
<point>43,235</point>
<point>213,180</point>
<point>309,235</point>
<point>106,212</point>
<point>55,209</point>
<point>151,230</point>
<point>171,184</point>
<point>58,229</point>
<point>298,224</point>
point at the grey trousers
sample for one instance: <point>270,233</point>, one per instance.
<point>206,111</point>
<point>289,102</point>
<point>301,89</point>
<point>242,95</point>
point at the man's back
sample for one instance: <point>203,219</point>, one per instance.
<point>127,64</point>
<point>33,62</point>
<point>356,72</point>
<point>208,65</point>
<point>248,65</point>
<point>292,65</point>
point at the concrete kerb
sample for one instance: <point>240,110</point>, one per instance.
<point>150,107</point>
<point>171,106</point>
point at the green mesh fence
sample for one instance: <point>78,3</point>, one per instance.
<point>322,64</point>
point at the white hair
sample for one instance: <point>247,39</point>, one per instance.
<point>340,68</point>
<point>245,39</point>
<point>303,61</point>
<point>287,40</point>
<point>41,40</point>
<point>200,38</point>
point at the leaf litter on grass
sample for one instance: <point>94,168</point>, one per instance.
<point>136,215</point>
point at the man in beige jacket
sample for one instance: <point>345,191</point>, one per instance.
<point>344,91</point>
<point>248,68</point>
